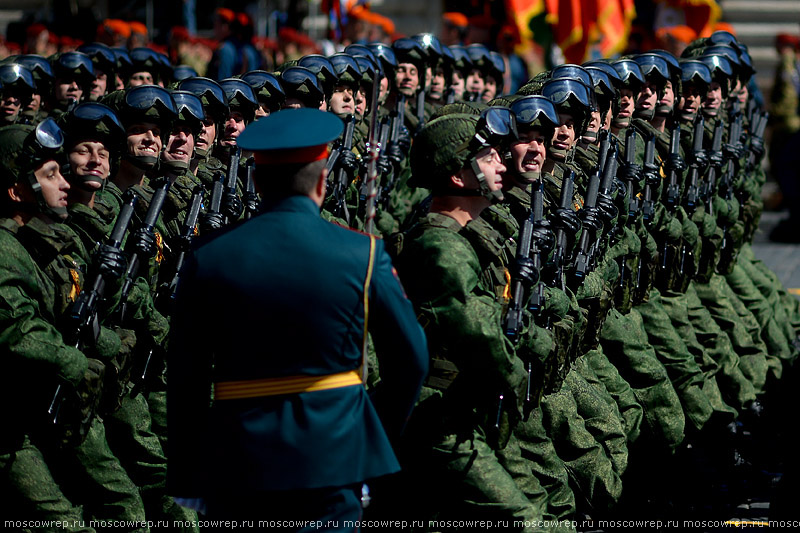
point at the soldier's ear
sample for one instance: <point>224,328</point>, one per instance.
<point>20,192</point>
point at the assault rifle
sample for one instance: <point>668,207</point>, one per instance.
<point>632,172</point>
<point>233,176</point>
<point>758,125</point>
<point>396,128</point>
<point>213,219</point>
<point>583,259</point>
<point>148,229</point>
<point>673,192</point>
<point>536,300</point>
<point>693,189</point>
<point>651,178</point>
<point>716,161</point>
<point>187,233</point>
<point>250,194</point>
<point>342,180</point>
<point>560,251</point>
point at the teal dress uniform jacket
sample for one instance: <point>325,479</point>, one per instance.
<point>282,295</point>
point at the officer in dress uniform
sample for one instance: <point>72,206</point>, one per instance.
<point>271,316</point>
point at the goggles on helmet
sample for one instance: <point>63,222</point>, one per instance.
<point>14,74</point>
<point>718,65</point>
<point>260,79</point>
<point>37,65</point>
<point>205,88</point>
<point>101,55</point>
<point>318,64</point>
<point>431,47</point>
<point>653,65</point>
<point>695,71</point>
<point>48,136</point>
<point>145,97</point>
<point>346,64</point>
<point>530,109</point>
<point>240,90</point>
<point>384,54</point>
<point>629,71</point>
<point>71,61</point>
<point>561,90</point>
<point>182,72</point>
<point>188,103</point>
<point>293,78</point>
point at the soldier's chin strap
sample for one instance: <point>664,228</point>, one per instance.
<point>174,167</point>
<point>645,114</point>
<point>142,162</point>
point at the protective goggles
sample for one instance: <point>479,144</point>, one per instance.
<point>574,72</point>
<point>560,91</point>
<point>718,65</point>
<point>95,112</point>
<point>260,79</point>
<point>629,72</point>
<point>529,110</point>
<point>205,88</point>
<point>293,78</point>
<point>610,71</point>
<point>37,65</point>
<point>345,64</point>
<point>671,60</point>
<point>730,53</point>
<point>188,103</point>
<point>101,55</point>
<point>385,54</point>
<point>122,57</point>
<point>653,65</point>
<point>497,63</point>
<point>360,50</point>
<point>694,71</point>
<point>182,72</point>
<point>462,59</point>
<point>430,45</point>
<point>478,54</point>
<point>17,75</point>
<point>239,90</point>
<point>495,126</point>
<point>145,97</point>
<point>48,135</point>
<point>601,81</point>
<point>320,65</point>
<point>405,46</point>
<point>144,56</point>
<point>722,37</point>
<point>367,68</point>
<point>72,61</point>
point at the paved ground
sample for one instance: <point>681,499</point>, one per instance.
<point>783,259</point>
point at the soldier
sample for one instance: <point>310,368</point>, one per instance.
<point>105,69</point>
<point>313,413</point>
<point>18,89</point>
<point>74,76</point>
<point>477,389</point>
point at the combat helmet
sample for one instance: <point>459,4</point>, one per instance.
<point>93,121</point>
<point>23,149</point>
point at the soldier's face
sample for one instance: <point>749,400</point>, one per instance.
<point>144,139</point>
<point>99,85</point>
<point>713,98</point>
<point>54,186</point>
<point>140,78</point>
<point>594,121</point>
<point>527,154</point>
<point>564,136</point>
<point>458,85</point>
<point>343,101</point>
<point>262,111</point>
<point>691,99</point>
<point>35,103</point>
<point>491,164</point>
<point>627,103</point>
<point>742,93</point>
<point>66,90</point>
<point>9,107</point>
<point>207,135</point>
<point>648,96</point>
<point>90,158</point>
<point>180,146</point>
<point>489,89</point>
<point>361,100</point>
<point>406,79</point>
<point>437,85</point>
<point>474,82</point>
<point>234,126</point>
<point>668,98</point>
<point>383,89</point>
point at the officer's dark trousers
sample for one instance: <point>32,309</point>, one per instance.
<point>304,511</point>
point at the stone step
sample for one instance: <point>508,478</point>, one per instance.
<point>761,11</point>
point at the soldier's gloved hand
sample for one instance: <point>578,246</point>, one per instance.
<point>232,206</point>
<point>700,159</point>
<point>145,243</point>
<point>110,261</point>
<point>543,236</point>
<point>395,153</point>
<point>651,174</point>
<point>566,220</point>
<point>525,271</point>
<point>591,218</point>
<point>347,161</point>
<point>606,207</point>
<point>404,140</point>
<point>630,172</point>
<point>675,162</point>
<point>384,164</point>
<point>211,221</point>
<point>716,158</point>
<point>757,147</point>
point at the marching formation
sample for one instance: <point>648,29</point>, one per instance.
<point>578,254</point>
